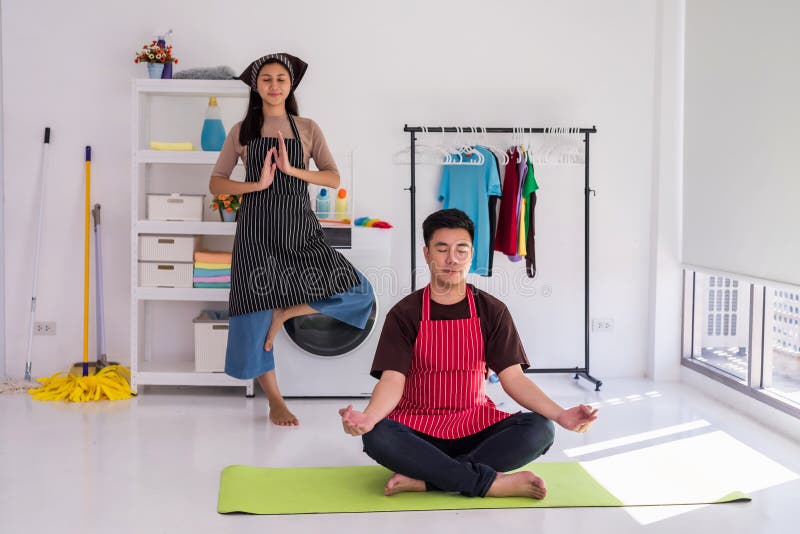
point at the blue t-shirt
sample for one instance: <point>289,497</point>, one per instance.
<point>468,187</point>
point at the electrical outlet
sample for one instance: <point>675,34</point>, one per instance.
<point>44,328</point>
<point>605,324</point>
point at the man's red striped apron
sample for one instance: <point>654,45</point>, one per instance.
<point>444,394</point>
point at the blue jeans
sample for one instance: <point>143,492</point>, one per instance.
<point>467,465</point>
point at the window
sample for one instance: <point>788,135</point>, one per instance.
<point>782,343</point>
<point>744,334</point>
<point>724,343</point>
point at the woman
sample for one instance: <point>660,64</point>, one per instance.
<point>281,266</point>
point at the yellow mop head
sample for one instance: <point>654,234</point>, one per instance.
<point>110,383</point>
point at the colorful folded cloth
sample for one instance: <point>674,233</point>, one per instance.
<point>212,279</point>
<point>218,285</point>
<point>210,256</point>
<point>372,223</point>
<point>204,265</point>
<point>212,272</point>
<point>160,145</point>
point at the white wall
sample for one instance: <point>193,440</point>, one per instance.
<point>666,282</point>
<point>2,226</point>
<point>375,66</point>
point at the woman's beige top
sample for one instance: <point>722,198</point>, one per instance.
<point>314,145</point>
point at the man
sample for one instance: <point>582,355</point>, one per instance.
<point>429,419</point>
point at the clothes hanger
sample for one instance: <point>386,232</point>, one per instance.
<point>500,154</point>
<point>483,140</point>
<point>545,158</point>
<point>449,158</point>
<point>460,149</point>
<point>481,157</point>
<point>453,155</point>
<point>425,154</point>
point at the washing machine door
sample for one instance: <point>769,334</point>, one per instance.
<point>321,335</point>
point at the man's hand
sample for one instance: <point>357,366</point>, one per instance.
<point>354,422</point>
<point>578,418</point>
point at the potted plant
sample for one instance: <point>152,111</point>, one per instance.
<point>156,57</point>
<point>227,206</point>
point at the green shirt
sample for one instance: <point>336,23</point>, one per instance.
<point>529,187</point>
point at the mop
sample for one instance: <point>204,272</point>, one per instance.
<point>102,359</point>
<point>10,385</point>
<point>110,382</point>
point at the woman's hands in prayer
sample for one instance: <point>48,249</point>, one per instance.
<point>268,170</point>
<point>283,157</point>
<point>578,418</point>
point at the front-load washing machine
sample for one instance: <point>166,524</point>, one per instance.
<point>317,356</point>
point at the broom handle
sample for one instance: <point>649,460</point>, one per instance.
<point>98,287</point>
<point>42,172</point>
<point>86,238</point>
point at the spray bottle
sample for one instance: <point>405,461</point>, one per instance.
<point>161,40</point>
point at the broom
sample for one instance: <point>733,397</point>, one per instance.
<point>78,385</point>
<point>11,385</point>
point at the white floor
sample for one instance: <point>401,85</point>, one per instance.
<point>152,464</point>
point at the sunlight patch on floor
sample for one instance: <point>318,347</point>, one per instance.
<point>635,438</point>
<point>700,468</point>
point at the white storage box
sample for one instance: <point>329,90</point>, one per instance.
<point>156,274</point>
<point>175,207</point>
<point>210,341</point>
<point>168,248</point>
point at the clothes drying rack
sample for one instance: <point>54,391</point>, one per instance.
<point>587,192</point>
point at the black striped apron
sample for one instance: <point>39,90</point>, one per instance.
<point>280,258</point>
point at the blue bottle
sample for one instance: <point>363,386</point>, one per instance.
<point>323,207</point>
<point>213,135</point>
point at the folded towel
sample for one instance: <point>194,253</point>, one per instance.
<point>212,272</point>
<point>210,256</point>
<point>161,145</point>
<point>212,279</point>
<point>218,285</point>
<point>372,223</point>
<point>204,265</point>
<point>221,72</point>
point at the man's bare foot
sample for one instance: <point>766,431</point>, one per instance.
<point>521,484</point>
<point>280,415</point>
<point>278,318</point>
<point>399,484</point>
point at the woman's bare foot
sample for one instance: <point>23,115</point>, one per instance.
<point>280,415</point>
<point>521,484</point>
<point>399,484</point>
<point>278,318</point>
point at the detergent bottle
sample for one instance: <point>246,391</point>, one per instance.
<point>213,135</point>
<point>161,39</point>
<point>323,208</point>
<point>341,204</point>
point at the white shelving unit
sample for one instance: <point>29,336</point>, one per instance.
<point>178,369</point>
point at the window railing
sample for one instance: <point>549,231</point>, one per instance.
<point>745,334</point>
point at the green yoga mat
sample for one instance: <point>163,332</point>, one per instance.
<point>310,490</point>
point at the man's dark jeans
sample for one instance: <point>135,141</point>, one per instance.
<point>467,465</point>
